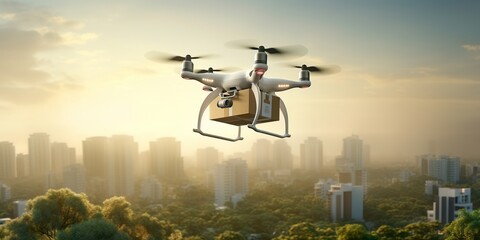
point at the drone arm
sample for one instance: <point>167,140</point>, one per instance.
<point>258,100</point>
<point>209,79</point>
<point>204,106</point>
<point>278,85</point>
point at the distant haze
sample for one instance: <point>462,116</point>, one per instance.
<point>410,71</point>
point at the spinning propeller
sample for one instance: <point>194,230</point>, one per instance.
<point>164,57</point>
<point>319,70</point>
<point>292,50</point>
<point>209,70</point>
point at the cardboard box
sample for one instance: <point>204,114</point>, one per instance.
<point>243,110</point>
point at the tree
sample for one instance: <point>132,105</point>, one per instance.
<point>466,226</point>
<point>96,228</point>
<point>148,227</point>
<point>386,232</point>
<point>50,213</point>
<point>118,211</point>
<point>306,230</point>
<point>230,235</point>
<point>422,231</point>
<point>20,229</point>
<point>353,232</point>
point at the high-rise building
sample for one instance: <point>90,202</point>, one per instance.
<point>449,202</point>
<point>23,165</point>
<point>322,187</point>
<point>431,187</point>
<point>282,155</point>
<point>353,151</point>
<point>62,156</point>
<point>231,181</point>
<point>124,155</point>
<point>143,165</point>
<point>7,160</point>
<point>109,165</point>
<point>97,160</point>
<point>345,202</point>
<point>443,167</point>
<point>166,160</point>
<point>39,152</point>
<point>74,177</point>
<point>207,159</point>
<point>261,155</point>
<point>19,208</point>
<point>366,155</point>
<point>151,189</point>
<point>357,177</point>
<point>350,165</point>
<point>5,193</point>
<point>348,174</point>
<point>311,154</point>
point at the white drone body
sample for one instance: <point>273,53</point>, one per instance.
<point>228,85</point>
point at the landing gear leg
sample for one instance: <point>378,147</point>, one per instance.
<point>204,106</point>
<point>258,100</point>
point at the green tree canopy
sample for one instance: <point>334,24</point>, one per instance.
<point>305,231</point>
<point>466,226</point>
<point>96,228</point>
<point>422,231</point>
<point>230,235</point>
<point>49,213</point>
<point>353,232</point>
<point>119,212</point>
<point>386,232</point>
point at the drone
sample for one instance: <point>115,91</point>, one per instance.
<point>227,85</point>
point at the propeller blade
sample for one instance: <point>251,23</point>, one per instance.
<point>292,50</point>
<point>210,70</point>
<point>165,57</point>
<point>176,59</point>
<point>319,70</point>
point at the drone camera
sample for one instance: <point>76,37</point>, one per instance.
<point>225,103</point>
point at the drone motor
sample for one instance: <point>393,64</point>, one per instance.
<point>304,75</point>
<point>187,66</point>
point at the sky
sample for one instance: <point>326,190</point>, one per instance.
<point>410,71</point>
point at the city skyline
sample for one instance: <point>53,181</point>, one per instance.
<point>267,152</point>
<point>409,71</point>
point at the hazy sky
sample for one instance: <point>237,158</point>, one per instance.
<point>410,70</point>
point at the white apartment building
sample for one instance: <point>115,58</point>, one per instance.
<point>345,202</point>
<point>151,189</point>
<point>231,181</point>
<point>443,167</point>
<point>75,178</point>
<point>322,187</point>
<point>448,203</point>
<point>39,152</point>
<point>311,154</point>
<point>7,160</point>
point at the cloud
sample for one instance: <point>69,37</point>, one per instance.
<point>28,16</point>
<point>472,48</point>
<point>25,32</point>
<point>71,38</point>
<point>7,16</point>
<point>17,61</point>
